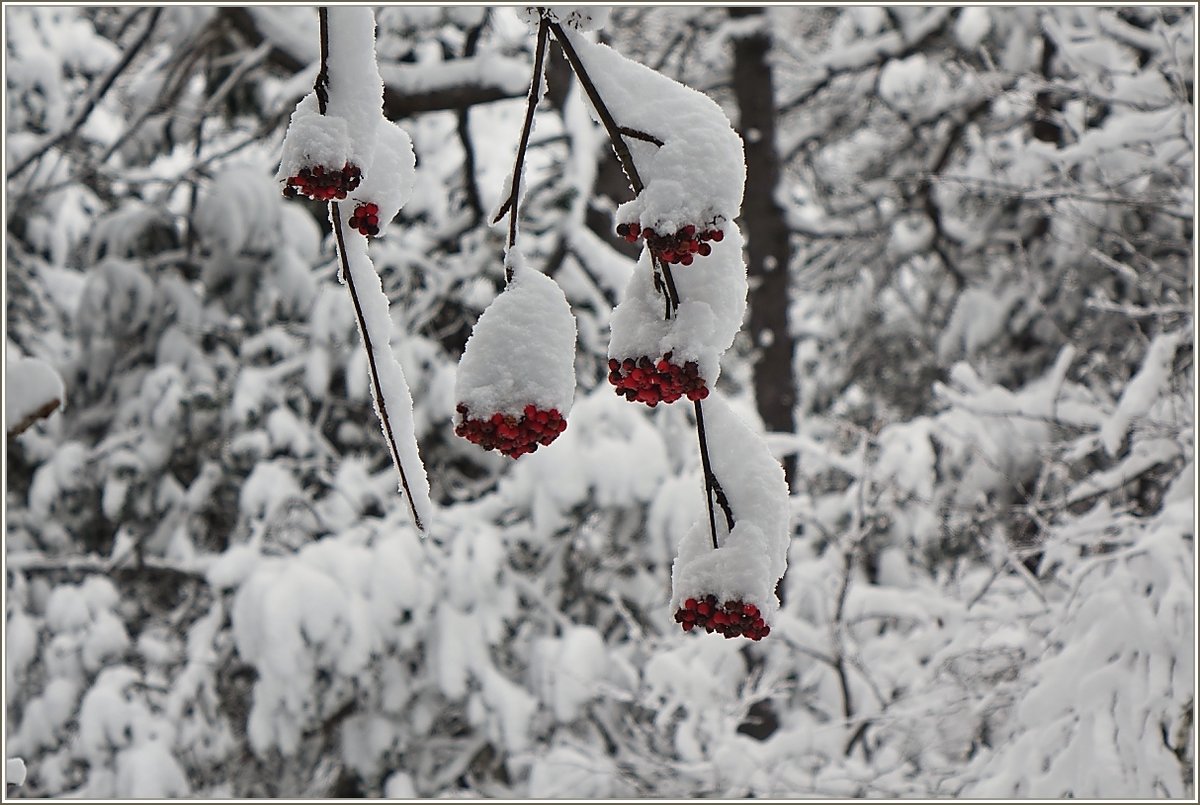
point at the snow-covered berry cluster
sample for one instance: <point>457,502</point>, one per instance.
<point>679,248</point>
<point>651,382</point>
<point>323,184</point>
<point>510,435</point>
<point>366,219</point>
<point>732,619</point>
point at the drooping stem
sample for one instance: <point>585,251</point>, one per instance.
<point>322,92</point>
<point>321,87</point>
<point>348,276</point>
<point>616,136</point>
<point>712,487</point>
<point>535,86</point>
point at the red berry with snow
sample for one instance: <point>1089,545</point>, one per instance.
<point>679,248</point>
<point>651,382</point>
<point>732,619</point>
<point>366,219</point>
<point>511,435</point>
<point>323,184</point>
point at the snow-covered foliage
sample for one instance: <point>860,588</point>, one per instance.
<point>213,589</point>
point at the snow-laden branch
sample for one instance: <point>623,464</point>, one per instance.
<point>32,391</point>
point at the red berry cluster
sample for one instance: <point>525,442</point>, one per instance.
<point>512,436</point>
<point>650,382</point>
<point>321,184</point>
<point>681,247</point>
<point>366,219</point>
<point>734,619</point>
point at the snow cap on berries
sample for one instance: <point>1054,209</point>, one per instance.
<point>712,294</point>
<point>313,139</point>
<point>390,182</point>
<point>581,18</point>
<point>753,556</point>
<point>522,349</point>
<point>699,171</point>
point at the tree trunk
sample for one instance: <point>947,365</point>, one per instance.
<point>766,233</point>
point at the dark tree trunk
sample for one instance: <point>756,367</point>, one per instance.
<point>766,233</point>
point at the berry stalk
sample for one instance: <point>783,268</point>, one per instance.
<point>510,205</point>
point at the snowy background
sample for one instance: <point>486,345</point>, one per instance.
<point>968,338</point>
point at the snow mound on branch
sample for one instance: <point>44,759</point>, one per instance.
<point>1145,386</point>
<point>396,397</point>
<point>32,390</point>
<point>348,131</point>
<point>581,18</point>
<point>753,556</point>
<point>698,173</point>
<point>314,139</point>
<point>390,181</point>
<point>712,293</point>
<point>355,88</point>
<point>522,349</point>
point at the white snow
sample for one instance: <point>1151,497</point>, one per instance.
<point>508,75</point>
<point>314,139</point>
<point>396,397</point>
<point>14,771</point>
<point>697,176</point>
<point>355,88</point>
<point>972,26</point>
<point>712,291</point>
<point>753,557</point>
<point>348,131</point>
<point>240,210</point>
<point>390,182</point>
<point>1139,395</point>
<point>522,349</point>
<point>32,389</point>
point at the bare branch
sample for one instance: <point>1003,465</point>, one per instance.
<point>93,99</point>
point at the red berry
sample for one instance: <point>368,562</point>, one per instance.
<point>717,235</point>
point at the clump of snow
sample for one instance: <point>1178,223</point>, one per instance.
<point>972,26</point>
<point>581,18</point>
<point>240,211</point>
<point>712,293</point>
<point>390,182</point>
<point>14,771</point>
<point>697,175</point>
<point>32,390</point>
<point>348,131</point>
<point>567,669</point>
<point>1139,395</point>
<point>753,556</point>
<point>522,349</point>
<point>314,139</point>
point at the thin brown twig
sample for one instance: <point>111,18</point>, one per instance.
<point>321,86</point>
<point>712,487</point>
<point>369,347</point>
<point>535,85</point>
